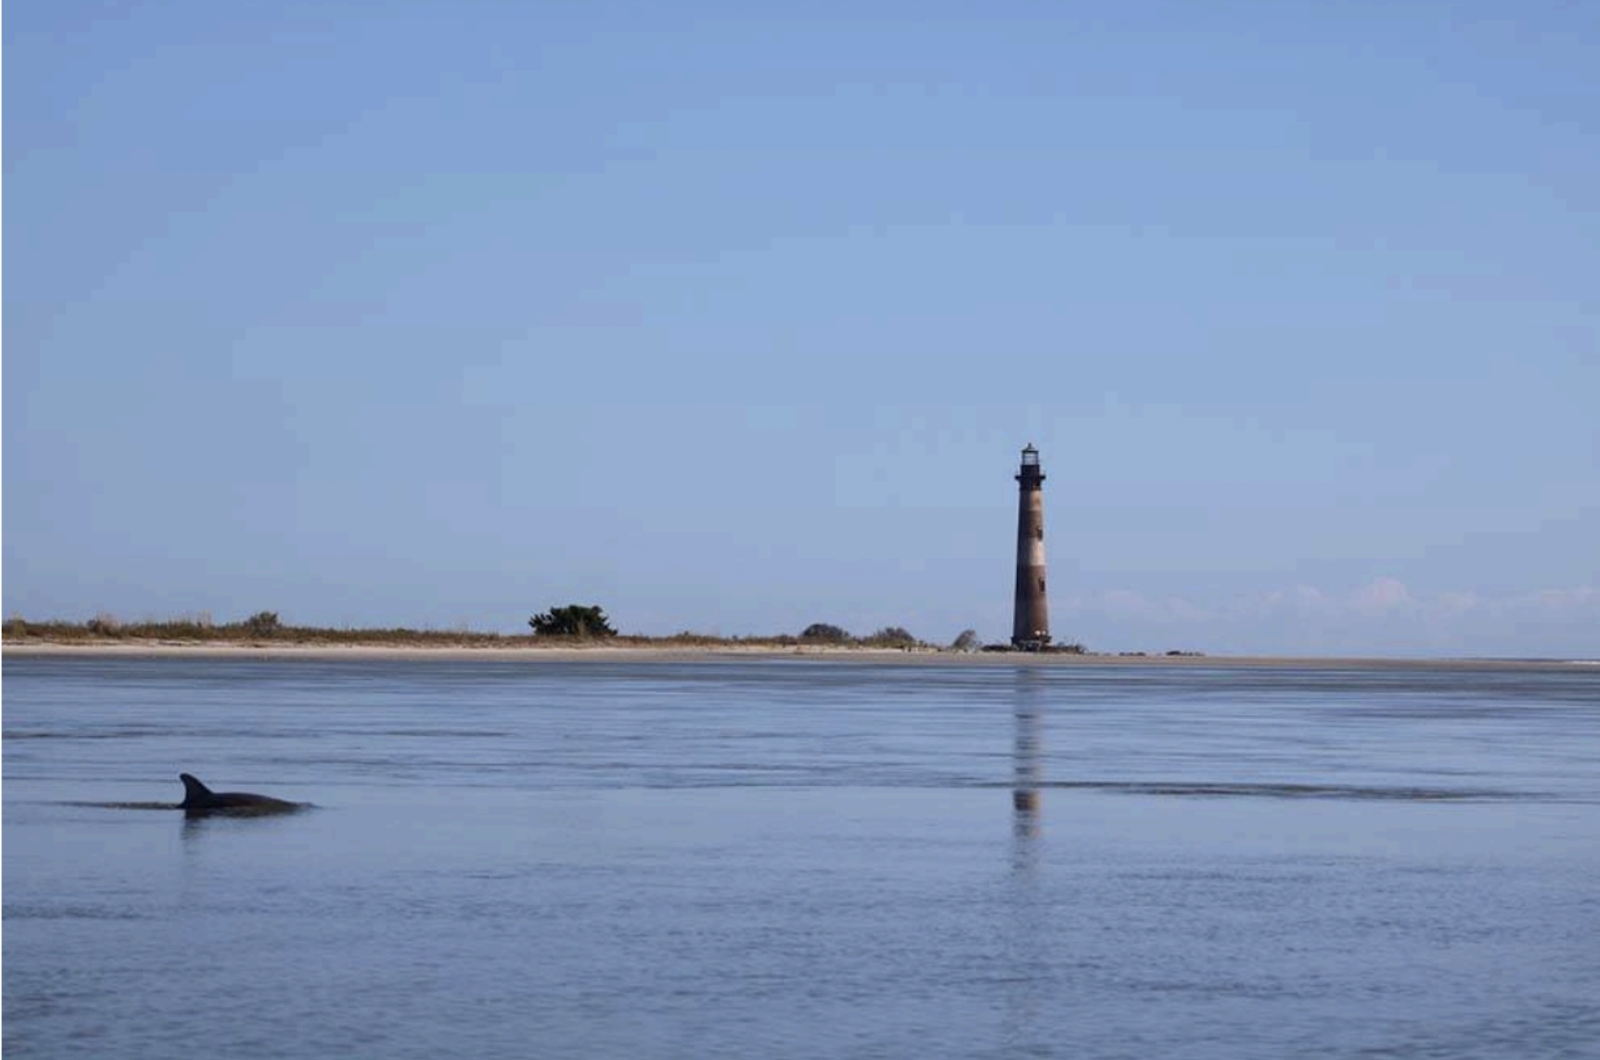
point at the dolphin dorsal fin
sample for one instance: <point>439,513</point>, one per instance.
<point>193,790</point>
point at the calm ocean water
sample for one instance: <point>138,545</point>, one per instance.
<point>801,859</point>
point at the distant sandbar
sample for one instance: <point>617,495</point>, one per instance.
<point>679,653</point>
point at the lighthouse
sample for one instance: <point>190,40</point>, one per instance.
<point>1030,622</point>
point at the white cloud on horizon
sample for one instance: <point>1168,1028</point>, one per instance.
<point>1382,617</point>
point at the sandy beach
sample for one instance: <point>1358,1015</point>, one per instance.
<point>634,653</point>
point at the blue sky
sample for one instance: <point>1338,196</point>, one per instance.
<point>734,320</point>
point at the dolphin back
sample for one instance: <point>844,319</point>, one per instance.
<point>199,799</point>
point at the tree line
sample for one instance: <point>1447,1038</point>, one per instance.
<point>575,622</point>
<point>590,622</point>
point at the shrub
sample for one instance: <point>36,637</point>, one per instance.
<point>691,638</point>
<point>574,620</point>
<point>891,637</point>
<point>967,640</point>
<point>823,633</point>
<point>262,624</point>
<point>104,625</point>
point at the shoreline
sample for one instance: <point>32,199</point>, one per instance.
<point>635,653</point>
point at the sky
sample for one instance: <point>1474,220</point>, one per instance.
<point>734,317</point>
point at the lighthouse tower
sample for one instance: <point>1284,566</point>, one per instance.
<point>1030,623</point>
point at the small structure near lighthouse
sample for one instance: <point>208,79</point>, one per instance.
<point>1030,623</point>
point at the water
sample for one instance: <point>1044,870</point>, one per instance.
<point>801,859</point>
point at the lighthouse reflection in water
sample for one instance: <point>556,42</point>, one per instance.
<point>1027,753</point>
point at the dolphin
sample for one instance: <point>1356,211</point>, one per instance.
<point>199,800</point>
